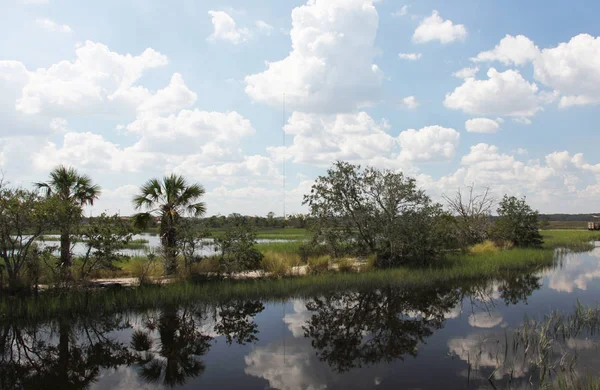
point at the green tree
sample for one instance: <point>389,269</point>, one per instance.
<point>74,191</point>
<point>24,216</point>
<point>517,223</point>
<point>104,237</point>
<point>238,249</point>
<point>169,199</point>
<point>375,211</point>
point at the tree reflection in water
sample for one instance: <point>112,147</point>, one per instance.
<point>353,329</point>
<point>70,353</point>
<point>183,337</point>
<point>67,354</point>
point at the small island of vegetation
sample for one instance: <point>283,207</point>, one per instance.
<point>366,228</point>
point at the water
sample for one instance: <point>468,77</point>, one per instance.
<point>447,337</point>
<point>80,249</point>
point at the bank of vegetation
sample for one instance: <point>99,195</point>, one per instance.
<point>374,221</point>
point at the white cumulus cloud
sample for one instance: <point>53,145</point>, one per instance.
<point>264,27</point>
<point>226,29</point>
<point>482,125</point>
<point>428,143</point>
<point>503,93</point>
<point>410,102</point>
<point>466,73</point>
<point>330,67</point>
<point>511,50</point>
<point>435,28</point>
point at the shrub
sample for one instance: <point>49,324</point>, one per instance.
<point>279,264</point>
<point>238,250</point>
<point>346,265</point>
<point>318,265</point>
<point>517,223</point>
<point>145,268</point>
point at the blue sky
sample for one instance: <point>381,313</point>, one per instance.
<point>128,90</point>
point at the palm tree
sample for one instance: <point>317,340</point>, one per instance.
<point>74,191</point>
<point>169,200</point>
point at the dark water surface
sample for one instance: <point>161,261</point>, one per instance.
<point>443,338</point>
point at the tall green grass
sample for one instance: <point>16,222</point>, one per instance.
<point>457,269</point>
<point>570,239</point>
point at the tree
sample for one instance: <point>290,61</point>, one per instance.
<point>24,216</point>
<point>374,211</point>
<point>517,223</point>
<point>104,237</point>
<point>472,215</point>
<point>170,200</point>
<point>74,192</point>
<point>238,249</point>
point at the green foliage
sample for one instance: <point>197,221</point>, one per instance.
<point>104,237</point>
<point>238,250</point>
<point>24,216</point>
<point>366,211</point>
<point>517,223</point>
<point>169,199</point>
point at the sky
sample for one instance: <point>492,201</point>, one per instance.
<point>239,96</point>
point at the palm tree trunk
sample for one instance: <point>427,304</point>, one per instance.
<point>65,249</point>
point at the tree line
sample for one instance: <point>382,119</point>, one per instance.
<point>352,211</point>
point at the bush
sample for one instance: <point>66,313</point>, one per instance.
<point>279,264</point>
<point>238,250</point>
<point>318,265</point>
<point>144,269</point>
<point>346,265</point>
<point>483,248</point>
<point>517,222</point>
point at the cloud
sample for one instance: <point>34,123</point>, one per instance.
<point>322,139</point>
<point>511,50</point>
<point>401,12</point>
<point>428,143</point>
<point>286,369</point>
<point>225,29</point>
<point>466,73</point>
<point>503,93</point>
<point>434,28</point>
<point>52,26</point>
<point>264,27</point>
<point>215,135</point>
<point>169,99</point>
<point>410,102</point>
<point>485,319</point>
<point>330,67</point>
<point>97,76</point>
<point>409,56</point>
<point>88,150</point>
<point>257,168</point>
<point>482,125</point>
<point>571,69</point>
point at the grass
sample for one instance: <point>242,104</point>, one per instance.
<point>458,268</point>
<point>572,239</point>
<point>577,225</point>
<point>273,234</point>
<point>541,348</point>
<point>290,247</point>
<point>280,264</point>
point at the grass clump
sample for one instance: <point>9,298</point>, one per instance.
<point>318,265</point>
<point>279,264</point>
<point>346,265</point>
<point>287,247</point>
<point>485,247</point>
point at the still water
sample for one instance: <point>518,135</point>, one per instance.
<point>153,243</point>
<point>451,337</point>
